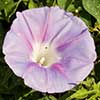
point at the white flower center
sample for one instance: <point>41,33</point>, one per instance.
<point>44,55</point>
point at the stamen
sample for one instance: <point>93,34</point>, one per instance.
<point>45,55</point>
<point>46,47</point>
<point>42,60</point>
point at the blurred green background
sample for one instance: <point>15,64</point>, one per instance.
<point>13,88</point>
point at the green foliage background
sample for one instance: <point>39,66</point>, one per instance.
<point>13,88</point>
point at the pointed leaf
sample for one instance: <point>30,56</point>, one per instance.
<point>92,7</point>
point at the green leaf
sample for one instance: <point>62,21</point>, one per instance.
<point>61,3</point>
<point>86,17</point>
<point>50,2</point>
<point>1,5</point>
<point>64,3</point>
<point>8,8</point>
<point>81,94</point>
<point>93,97</point>
<point>71,8</point>
<point>51,97</point>
<point>32,4</point>
<point>92,7</point>
<point>48,97</point>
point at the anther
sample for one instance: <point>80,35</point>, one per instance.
<point>42,60</point>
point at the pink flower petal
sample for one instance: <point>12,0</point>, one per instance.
<point>38,35</point>
<point>36,77</point>
<point>58,81</point>
<point>17,53</point>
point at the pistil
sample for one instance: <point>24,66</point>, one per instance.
<point>45,55</point>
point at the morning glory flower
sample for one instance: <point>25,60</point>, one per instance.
<point>50,49</point>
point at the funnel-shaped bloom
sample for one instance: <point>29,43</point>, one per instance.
<point>51,49</point>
